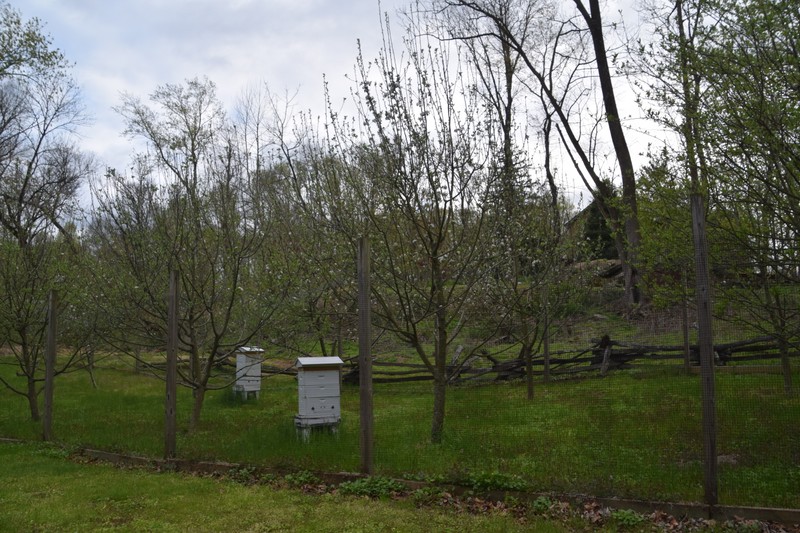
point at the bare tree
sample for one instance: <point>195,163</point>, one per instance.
<point>40,173</point>
<point>418,176</point>
<point>191,208</point>
<point>525,214</point>
<point>500,20</point>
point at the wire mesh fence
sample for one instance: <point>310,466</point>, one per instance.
<point>614,408</point>
<point>619,412</point>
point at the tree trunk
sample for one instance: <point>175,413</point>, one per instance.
<point>687,348</point>
<point>197,406</point>
<point>630,214</point>
<point>194,361</point>
<point>527,354</point>
<point>201,386</point>
<point>628,271</point>
<point>439,394</point>
<point>777,316</point>
<point>440,355</point>
<point>138,367</point>
<point>546,335</point>
<point>786,367</point>
<point>339,340</point>
<point>33,400</point>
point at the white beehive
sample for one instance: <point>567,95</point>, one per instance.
<point>318,392</point>
<point>248,371</point>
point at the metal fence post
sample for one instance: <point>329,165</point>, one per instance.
<point>170,407</point>
<point>365,357</point>
<point>706,349</point>
<point>49,366</point>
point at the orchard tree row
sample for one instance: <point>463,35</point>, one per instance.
<point>452,162</point>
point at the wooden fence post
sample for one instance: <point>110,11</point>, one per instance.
<point>49,366</point>
<point>365,357</point>
<point>170,407</point>
<point>606,360</point>
<point>528,355</point>
<point>706,349</point>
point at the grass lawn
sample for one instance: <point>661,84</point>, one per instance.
<point>634,433</point>
<point>40,490</point>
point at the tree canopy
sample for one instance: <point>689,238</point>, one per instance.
<point>454,159</point>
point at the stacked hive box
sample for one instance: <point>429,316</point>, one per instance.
<point>318,393</point>
<point>248,371</point>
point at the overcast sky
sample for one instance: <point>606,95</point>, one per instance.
<point>134,46</point>
<point>137,45</point>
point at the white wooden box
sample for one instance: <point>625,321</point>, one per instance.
<point>318,391</point>
<point>248,370</point>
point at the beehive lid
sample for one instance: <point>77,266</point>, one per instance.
<point>318,363</point>
<point>250,350</point>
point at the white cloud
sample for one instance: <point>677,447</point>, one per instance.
<point>136,45</point>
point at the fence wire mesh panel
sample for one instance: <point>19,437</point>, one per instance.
<point>619,416</point>
<point>620,412</point>
<point>614,408</point>
<point>756,338</point>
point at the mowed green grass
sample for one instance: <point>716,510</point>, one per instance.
<point>634,433</point>
<point>40,490</point>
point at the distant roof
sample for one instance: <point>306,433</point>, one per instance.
<point>318,361</point>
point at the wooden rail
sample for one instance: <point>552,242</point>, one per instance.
<point>621,355</point>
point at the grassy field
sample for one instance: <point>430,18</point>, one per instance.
<point>40,490</point>
<point>634,433</point>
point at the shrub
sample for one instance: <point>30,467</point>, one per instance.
<point>541,505</point>
<point>374,487</point>
<point>302,478</point>
<point>628,518</point>
<point>427,496</point>
<point>486,481</point>
<point>243,474</point>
